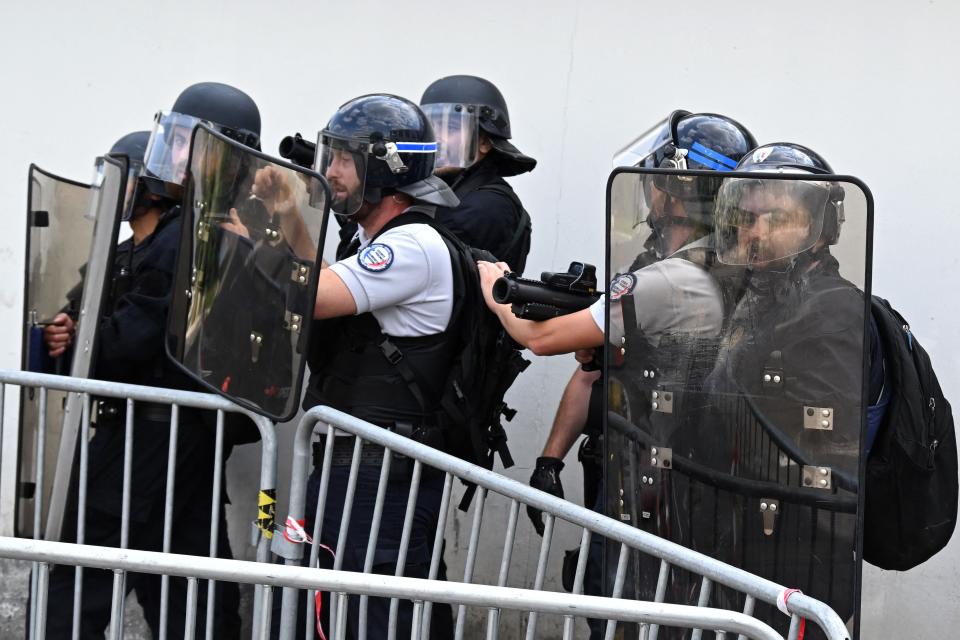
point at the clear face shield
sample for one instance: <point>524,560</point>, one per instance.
<point>641,152</point>
<point>344,164</point>
<point>347,164</point>
<point>457,128</point>
<point>169,146</point>
<point>96,187</point>
<point>764,223</point>
<point>134,171</point>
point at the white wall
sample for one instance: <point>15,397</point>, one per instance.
<point>871,85</point>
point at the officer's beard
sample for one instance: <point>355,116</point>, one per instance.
<point>663,229</point>
<point>363,212</point>
<point>358,216</point>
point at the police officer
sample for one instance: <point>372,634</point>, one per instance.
<point>802,320</point>
<point>667,288</point>
<point>679,222</point>
<point>385,311</point>
<point>131,350</point>
<point>470,118</point>
<point>472,125</point>
<point>787,253</point>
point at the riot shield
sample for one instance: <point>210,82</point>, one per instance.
<point>58,237</point>
<point>247,273</point>
<point>71,234</point>
<point>736,378</point>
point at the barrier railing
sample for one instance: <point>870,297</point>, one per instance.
<point>713,573</point>
<point>130,396</point>
<point>193,568</point>
<point>363,442</point>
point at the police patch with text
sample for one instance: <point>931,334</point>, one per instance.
<point>622,285</point>
<point>375,257</point>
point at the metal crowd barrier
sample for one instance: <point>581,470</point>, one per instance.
<point>713,573</point>
<point>649,615</point>
<point>193,568</point>
<point>132,394</point>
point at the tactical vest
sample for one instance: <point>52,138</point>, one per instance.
<point>671,373</point>
<point>128,258</point>
<point>483,178</point>
<point>383,379</point>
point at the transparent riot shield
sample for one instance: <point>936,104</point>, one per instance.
<point>736,378</point>
<point>247,273</point>
<point>57,244</point>
<point>71,234</point>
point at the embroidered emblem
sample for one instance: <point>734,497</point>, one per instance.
<point>375,257</point>
<point>622,285</point>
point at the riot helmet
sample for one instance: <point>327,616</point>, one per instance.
<point>784,156</point>
<point>225,109</point>
<point>769,223</point>
<point>703,141</point>
<point>376,145</point>
<point>133,147</point>
<point>684,140</point>
<point>459,108</point>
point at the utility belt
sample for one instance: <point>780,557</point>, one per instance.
<point>108,412</point>
<point>372,454</point>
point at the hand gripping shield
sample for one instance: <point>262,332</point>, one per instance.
<point>71,234</point>
<point>736,379</point>
<point>247,273</point>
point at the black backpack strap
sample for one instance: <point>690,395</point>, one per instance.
<point>412,215</point>
<point>390,350</point>
<point>523,223</point>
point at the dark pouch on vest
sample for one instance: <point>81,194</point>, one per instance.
<point>567,576</point>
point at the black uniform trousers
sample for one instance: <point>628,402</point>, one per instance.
<point>425,518</point>
<point>190,531</point>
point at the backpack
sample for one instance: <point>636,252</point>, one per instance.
<point>485,365</point>
<point>911,477</point>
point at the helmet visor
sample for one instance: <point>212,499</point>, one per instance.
<point>134,170</point>
<point>344,164</point>
<point>693,190</point>
<point>764,222</point>
<point>169,146</point>
<point>457,129</point>
<point>641,152</point>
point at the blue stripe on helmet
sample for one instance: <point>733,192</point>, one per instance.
<point>707,162</point>
<point>719,157</point>
<point>417,147</point>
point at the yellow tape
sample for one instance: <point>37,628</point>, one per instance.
<point>267,511</point>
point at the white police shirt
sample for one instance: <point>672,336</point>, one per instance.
<point>671,296</point>
<point>404,278</point>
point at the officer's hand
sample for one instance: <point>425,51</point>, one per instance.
<point>58,334</point>
<point>270,185</point>
<point>546,477</point>
<point>584,356</point>
<point>235,225</point>
<point>490,273</point>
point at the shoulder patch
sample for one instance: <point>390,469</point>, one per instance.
<point>622,285</point>
<point>375,257</point>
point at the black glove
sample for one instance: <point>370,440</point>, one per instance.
<point>546,477</point>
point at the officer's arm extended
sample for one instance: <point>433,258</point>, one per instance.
<point>333,297</point>
<point>563,334</point>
